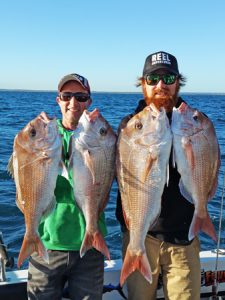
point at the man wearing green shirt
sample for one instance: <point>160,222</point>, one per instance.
<point>63,231</point>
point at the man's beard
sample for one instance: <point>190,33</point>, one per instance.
<point>165,100</point>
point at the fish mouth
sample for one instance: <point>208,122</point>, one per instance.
<point>93,115</point>
<point>155,110</point>
<point>44,117</point>
<point>183,107</point>
<point>158,113</point>
<point>177,111</point>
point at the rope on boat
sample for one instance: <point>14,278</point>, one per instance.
<point>216,281</point>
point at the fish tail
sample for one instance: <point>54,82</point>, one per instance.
<point>29,246</point>
<point>96,241</point>
<point>135,262</point>
<point>209,229</point>
<point>202,224</point>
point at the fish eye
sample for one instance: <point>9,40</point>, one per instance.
<point>33,132</point>
<point>195,117</point>
<point>138,125</point>
<point>103,131</point>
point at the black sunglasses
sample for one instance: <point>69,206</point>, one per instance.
<point>80,97</point>
<point>153,79</point>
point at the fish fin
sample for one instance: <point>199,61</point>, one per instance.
<point>189,154</point>
<point>173,157</point>
<point>214,184</point>
<point>70,148</point>
<point>147,169</point>
<point>42,157</point>
<point>202,224</point>
<point>10,168</point>
<point>155,220</point>
<point>49,208</point>
<point>213,189</point>
<point>104,203</point>
<point>126,219</point>
<point>96,241</point>
<point>89,163</point>
<point>70,152</point>
<point>63,170</point>
<point>29,246</point>
<point>135,262</point>
<point>215,176</point>
<point>20,203</point>
<point>167,174</point>
<point>184,192</point>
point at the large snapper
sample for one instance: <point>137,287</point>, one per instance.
<point>144,146</point>
<point>93,164</point>
<point>34,164</point>
<point>197,155</point>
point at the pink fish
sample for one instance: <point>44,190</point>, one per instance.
<point>197,155</point>
<point>35,164</point>
<point>144,147</point>
<point>93,164</point>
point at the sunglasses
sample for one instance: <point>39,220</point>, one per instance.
<point>153,79</point>
<point>80,97</point>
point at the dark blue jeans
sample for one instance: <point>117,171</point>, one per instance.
<point>84,275</point>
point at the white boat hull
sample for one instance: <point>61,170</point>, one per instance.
<point>15,284</point>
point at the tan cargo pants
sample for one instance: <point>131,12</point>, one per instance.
<point>179,266</point>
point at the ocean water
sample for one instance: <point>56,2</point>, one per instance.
<point>17,108</point>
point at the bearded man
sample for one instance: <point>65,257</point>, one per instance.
<point>174,260</point>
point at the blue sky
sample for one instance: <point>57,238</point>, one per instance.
<point>108,41</point>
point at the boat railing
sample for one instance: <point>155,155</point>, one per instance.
<point>5,260</point>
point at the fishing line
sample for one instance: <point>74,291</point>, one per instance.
<point>215,284</point>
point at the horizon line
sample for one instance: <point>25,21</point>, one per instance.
<point>111,92</point>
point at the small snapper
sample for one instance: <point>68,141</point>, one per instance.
<point>144,147</point>
<point>197,156</point>
<point>92,159</point>
<point>34,164</point>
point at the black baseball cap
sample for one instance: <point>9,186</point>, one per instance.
<point>160,60</point>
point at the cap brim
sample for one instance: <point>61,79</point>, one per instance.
<point>63,82</point>
<point>157,68</point>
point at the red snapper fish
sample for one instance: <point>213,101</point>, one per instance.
<point>92,160</point>
<point>34,164</point>
<point>143,151</point>
<point>197,156</point>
